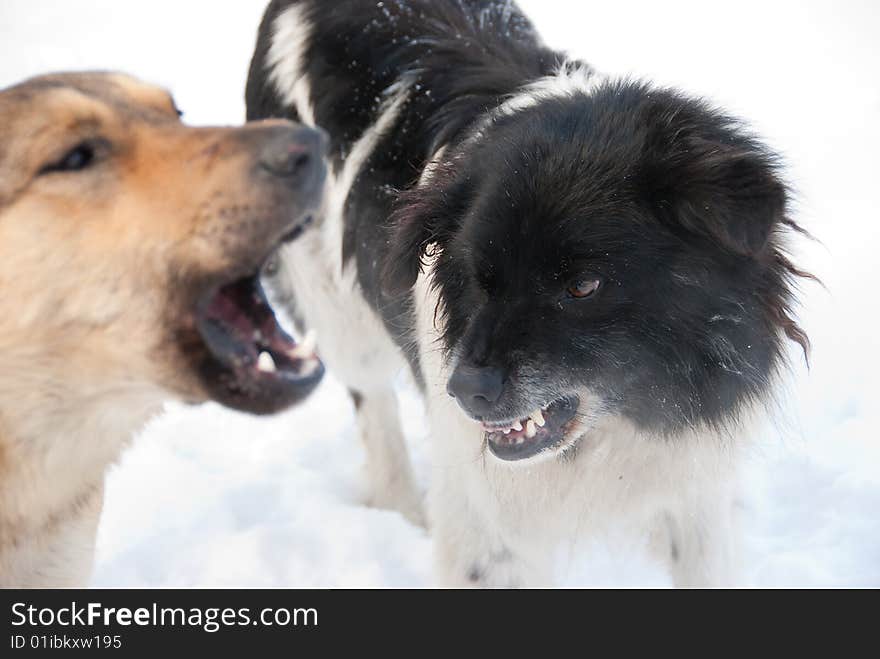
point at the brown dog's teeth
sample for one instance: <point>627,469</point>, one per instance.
<point>265,363</point>
<point>312,365</point>
<point>305,349</point>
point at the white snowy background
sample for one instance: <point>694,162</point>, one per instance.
<point>209,497</point>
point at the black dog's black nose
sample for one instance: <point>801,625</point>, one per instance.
<point>296,154</point>
<point>476,388</point>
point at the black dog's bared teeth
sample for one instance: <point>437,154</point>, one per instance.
<point>532,439</point>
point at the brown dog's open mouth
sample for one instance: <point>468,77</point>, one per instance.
<point>254,365</point>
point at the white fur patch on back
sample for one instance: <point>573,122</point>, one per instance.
<point>431,166</point>
<point>326,291</point>
<point>291,34</point>
<point>571,79</point>
<point>339,182</point>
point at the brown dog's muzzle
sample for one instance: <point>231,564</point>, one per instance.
<point>295,154</point>
<point>287,174</point>
<point>297,158</point>
<point>243,357</point>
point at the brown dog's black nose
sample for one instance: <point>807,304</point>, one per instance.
<point>476,388</point>
<point>296,154</point>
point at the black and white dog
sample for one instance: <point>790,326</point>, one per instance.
<point>587,277</point>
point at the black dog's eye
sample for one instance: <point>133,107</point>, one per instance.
<point>583,288</point>
<point>75,160</point>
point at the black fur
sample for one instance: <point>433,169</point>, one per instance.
<point>671,204</point>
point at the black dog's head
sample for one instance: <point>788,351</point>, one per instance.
<point>611,253</point>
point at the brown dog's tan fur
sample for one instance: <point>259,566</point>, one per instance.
<point>95,272</point>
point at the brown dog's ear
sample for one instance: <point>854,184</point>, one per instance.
<point>424,217</point>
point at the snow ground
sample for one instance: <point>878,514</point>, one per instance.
<point>210,497</point>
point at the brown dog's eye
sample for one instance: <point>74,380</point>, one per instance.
<point>74,160</point>
<point>583,288</point>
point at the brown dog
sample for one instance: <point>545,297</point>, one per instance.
<point>129,251</point>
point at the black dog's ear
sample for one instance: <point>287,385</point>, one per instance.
<point>424,217</point>
<point>409,235</point>
<point>719,184</point>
